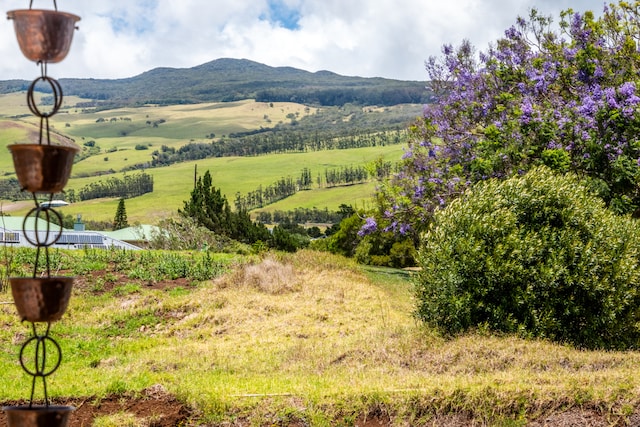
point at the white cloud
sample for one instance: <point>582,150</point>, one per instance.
<point>387,38</point>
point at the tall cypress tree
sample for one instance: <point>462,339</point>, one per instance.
<point>120,220</point>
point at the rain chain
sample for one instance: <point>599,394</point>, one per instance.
<point>44,36</point>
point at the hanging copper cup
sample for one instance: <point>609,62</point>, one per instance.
<point>43,168</point>
<point>43,299</point>
<point>36,416</point>
<point>43,35</point>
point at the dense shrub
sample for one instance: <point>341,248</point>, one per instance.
<point>536,255</point>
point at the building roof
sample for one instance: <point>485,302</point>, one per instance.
<point>16,222</point>
<point>39,230</point>
<point>143,232</point>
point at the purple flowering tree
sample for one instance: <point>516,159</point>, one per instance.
<point>567,98</point>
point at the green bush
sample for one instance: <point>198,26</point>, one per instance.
<point>536,255</point>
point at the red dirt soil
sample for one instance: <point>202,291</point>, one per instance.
<point>158,409</point>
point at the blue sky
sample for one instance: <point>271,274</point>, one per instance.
<point>282,14</point>
<point>371,38</point>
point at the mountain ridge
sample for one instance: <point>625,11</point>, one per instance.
<point>229,79</point>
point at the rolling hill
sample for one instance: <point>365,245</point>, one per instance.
<point>237,79</point>
<point>121,125</point>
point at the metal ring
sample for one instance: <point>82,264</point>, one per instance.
<point>57,96</point>
<point>46,242</point>
<point>40,362</point>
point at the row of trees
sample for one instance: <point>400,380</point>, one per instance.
<point>340,96</point>
<point>129,186</point>
<point>286,187</point>
<point>260,197</point>
<point>345,175</point>
<point>10,189</point>
<point>279,142</point>
<point>301,216</point>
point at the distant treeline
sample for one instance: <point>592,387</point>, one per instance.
<point>267,143</point>
<point>128,187</point>
<point>301,216</point>
<point>10,189</point>
<point>339,96</point>
<point>286,187</point>
<point>346,175</point>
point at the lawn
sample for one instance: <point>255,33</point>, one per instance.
<point>308,338</point>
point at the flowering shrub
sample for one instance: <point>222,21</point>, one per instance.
<point>568,99</point>
<point>536,255</point>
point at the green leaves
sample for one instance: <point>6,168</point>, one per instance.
<point>536,255</point>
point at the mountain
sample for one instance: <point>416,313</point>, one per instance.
<point>234,79</point>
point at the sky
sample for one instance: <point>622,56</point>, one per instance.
<point>368,38</point>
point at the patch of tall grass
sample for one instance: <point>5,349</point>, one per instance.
<point>311,338</point>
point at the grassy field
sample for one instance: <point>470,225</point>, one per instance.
<point>117,133</point>
<point>308,338</point>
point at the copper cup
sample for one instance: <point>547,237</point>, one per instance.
<point>43,168</point>
<point>38,416</point>
<point>43,35</point>
<point>41,299</point>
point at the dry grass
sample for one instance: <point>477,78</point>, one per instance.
<point>310,337</point>
<point>269,276</point>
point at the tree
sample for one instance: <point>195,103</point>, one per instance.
<point>120,220</point>
<point>210,208</point>
<point>538,255</point>
<point>564,98</point>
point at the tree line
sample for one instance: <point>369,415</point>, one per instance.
<point>10,189</point>
<point>274,142</point>
<point>127,187</point>
<point>345,175</point>
<point>301,216</point>
<point>286,187</point>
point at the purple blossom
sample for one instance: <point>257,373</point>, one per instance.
<point>627,89</point>
<point>527,111</point>
<point>588,107</point>
<point>404,228</point>
<point>610,96</point>
<point>598,73</point>
<point>570,53</point>
<point>539,91</point>
<point>370,226</point>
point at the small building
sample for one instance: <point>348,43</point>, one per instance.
<point>20,231</point>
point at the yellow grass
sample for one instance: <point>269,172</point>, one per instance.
<point>311,334</point>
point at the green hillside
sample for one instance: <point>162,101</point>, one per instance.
<point>117,140</point>
<point>228,79</point>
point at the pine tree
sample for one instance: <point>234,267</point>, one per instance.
<point>120,220</point>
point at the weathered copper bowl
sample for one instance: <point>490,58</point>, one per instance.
<point>43,168</point>
<point>43,35</point>
<point>41,299</point>
<point>38,416</point>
